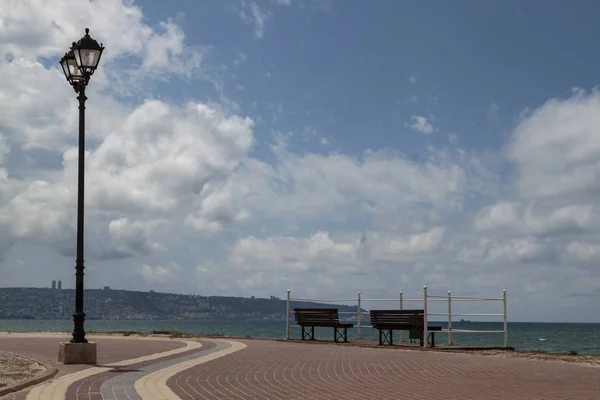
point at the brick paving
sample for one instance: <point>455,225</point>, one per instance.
<point>277,370</point>
<point>91,388</point>
<point>291,370</point>
<point>110,350</point>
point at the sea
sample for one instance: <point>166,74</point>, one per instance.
<point>583,338</point>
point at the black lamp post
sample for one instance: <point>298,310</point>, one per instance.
<point>79,65</point>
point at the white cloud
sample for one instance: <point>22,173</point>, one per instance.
<point>403,248</point>
<point>413,79</point>
<point>151,157</point>
<point>134,237</point>
<point>36,210</point>
<point>286,260</point>
<point>584,251</point>
<point>158,274</point>
<point>111,21</point>
<point>293,253</point>
<point>538,220</point>
<point>493,112</point>
<point>557,151</point>
<point>382,179</point>
<point>30,114</point>
<point>250,13</point>
<point>176,196</point>
<point>163,156</point>
<point>222,206</point>
<point>519,250</point>
<point>420,124</point>
<point>240,59</point>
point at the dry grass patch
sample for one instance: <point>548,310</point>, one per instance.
<point>14,368</point>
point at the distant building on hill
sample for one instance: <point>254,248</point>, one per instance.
<point>53,284</point>
<point>59,285</point>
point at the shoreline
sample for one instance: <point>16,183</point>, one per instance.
<point>509,352</point>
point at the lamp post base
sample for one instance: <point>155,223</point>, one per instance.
<point>77,353</point>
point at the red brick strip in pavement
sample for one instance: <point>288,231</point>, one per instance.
<point>90,387</point>
<point>45,351</point>
<point>279,370</point>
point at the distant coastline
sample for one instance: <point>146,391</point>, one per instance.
<point>111,304</point>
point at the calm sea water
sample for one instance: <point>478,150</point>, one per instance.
<point>554,337</point>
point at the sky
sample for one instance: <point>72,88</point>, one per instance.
<point>244,147</point>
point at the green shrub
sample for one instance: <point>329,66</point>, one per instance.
<point>158,332</point>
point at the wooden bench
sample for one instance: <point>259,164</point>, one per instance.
<point>323,317</point>
<point>387,321</point>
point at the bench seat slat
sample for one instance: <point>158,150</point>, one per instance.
<point>390,320</point>
<point>321,317</point>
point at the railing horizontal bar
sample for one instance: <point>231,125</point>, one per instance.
<point>322,301</point>
<point>443,330</point>
<point>477,298</point>
<point>478,315</point>
<point>420,300</point>
<point>463,297</point>
<point>469,331</point>
<point>466,315</point>
<point>398,299</point>
<point>349,312</point>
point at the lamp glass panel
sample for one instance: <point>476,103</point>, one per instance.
<point>87,58</point>
<point>74,71</point>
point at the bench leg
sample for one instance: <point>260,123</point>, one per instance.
<point>391,337</point>
<point>385,337</point>
<point>431,339</point>
<point>308,334</point>
<point>339,334</point>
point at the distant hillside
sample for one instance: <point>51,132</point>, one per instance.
<point>43,303</point>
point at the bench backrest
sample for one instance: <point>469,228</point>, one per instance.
<point>414,318</point>
<point>307,316</point>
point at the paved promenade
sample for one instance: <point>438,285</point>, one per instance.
<point>147,369</point>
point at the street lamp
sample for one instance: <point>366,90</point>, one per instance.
<point>79,64</point>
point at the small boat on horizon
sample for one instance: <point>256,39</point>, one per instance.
<point>462,320</point>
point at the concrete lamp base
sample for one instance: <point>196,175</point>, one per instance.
<point>77,353</point>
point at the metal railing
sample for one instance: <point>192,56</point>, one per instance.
<point>449,298</point>
<point>427,298</point>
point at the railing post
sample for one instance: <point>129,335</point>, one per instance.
<point>287,317</point>
<point>449,317</point>
<point>401,307</point>
<point>358,315</point>
<point>425,317</point>
<point>505,319</point>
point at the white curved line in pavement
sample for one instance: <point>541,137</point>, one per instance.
<point>56,389</point>
<point>154,386</point>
